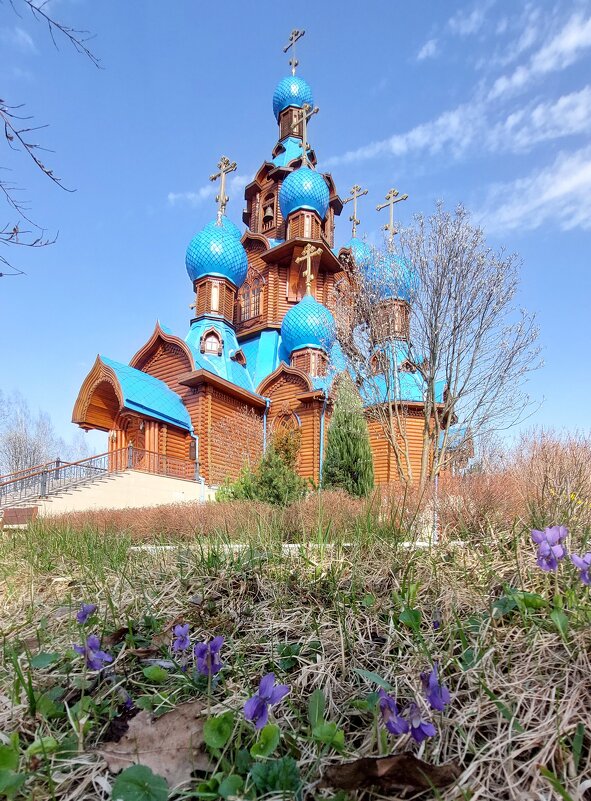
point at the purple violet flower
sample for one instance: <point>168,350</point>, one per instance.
<point>181,638</point>
<point>550,550</point>
<point>208,656</point>
<point>583,565</point>
<point>256,709</point>
<point>91,651</point>
<point>419,729</point>
<point>86,610</point>
<point>391,717</point>
<point>436,693</point>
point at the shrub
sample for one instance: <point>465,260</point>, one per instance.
<point>274,480</point>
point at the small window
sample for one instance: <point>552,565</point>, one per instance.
<point>211,343</point>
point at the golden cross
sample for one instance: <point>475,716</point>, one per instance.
<point>302,117</point>
<point>224,166</point>
<point>293,37</point>
<point>356,192</point>
<point>308,254</point>
<point>391,199</point>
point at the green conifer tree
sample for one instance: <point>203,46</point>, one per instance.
<point>348,463</point>
<point>274,479</point>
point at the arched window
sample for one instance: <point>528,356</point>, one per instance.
<point>249,298</point>
<point>245,303</point>
<point>211,343</point>
<point>256,297</point>
<point>268,207</point>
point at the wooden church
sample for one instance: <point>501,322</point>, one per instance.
<point>261,345</point>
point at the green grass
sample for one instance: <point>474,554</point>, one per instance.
<point>339,613</point>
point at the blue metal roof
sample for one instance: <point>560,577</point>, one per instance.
<point>391,276</point>
<point>308,324</point>
<point>263,355</point>
<point>291,150</point>
<point>291,91</point>
<point>222,366</point>
<point>228,226</point>
<point>456,436</point>
<point>304,188</point>
<point>148,395</point>
<point>360,251</point>
<point>217,251</point>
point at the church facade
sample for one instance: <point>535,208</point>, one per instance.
<point>261,349</point>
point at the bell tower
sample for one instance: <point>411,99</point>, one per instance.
<point>289,205</point>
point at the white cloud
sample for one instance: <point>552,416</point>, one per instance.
<point>428,50</point>
<point>559,52</point>
<point>196,197</point>
<point>18,38</point>
<point>559,194</point>
<point>469,127</point>
<point>464,24</point>
<point>454,129</point>
<point>521,130</point>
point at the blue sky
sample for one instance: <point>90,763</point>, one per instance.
<point>487,103</point>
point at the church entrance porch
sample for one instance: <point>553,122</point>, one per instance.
<point>149,429</point>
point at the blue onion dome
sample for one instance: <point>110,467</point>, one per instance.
<point>360,251</point>
<point>229,226</point>
<point>291,91</point>
<point>304,189</point>
<point>216,251</point>
<point>308,324</point>
<point>391,276</point>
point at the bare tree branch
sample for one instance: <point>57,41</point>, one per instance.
<point>18,136</point>
<point>431,330</point>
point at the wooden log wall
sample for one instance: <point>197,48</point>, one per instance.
<point>103,407</point>
<point>384,459</point>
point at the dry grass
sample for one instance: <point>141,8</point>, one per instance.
<point>519,724</point>
<point>519,689</point>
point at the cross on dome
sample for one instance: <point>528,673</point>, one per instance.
<point>391,199</point>
<point>307,255</point>
<point>293,37</point>
<point>225,166</point>
<point>302,117</point>
<point>356,192</point>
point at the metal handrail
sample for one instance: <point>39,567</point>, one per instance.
<point>25,470</point>
<point>42,483</point>
<point>160,464</point>
<point>62,475</point>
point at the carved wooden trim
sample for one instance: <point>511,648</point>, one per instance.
<point>98,374</point>
<point>160,337</point>
<point>286,373</point>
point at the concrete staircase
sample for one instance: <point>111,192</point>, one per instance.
<point>125,490</point>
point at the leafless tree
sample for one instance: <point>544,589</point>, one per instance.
<point>20,135</point>
<point>27,440</point>
<point>453,354</point>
